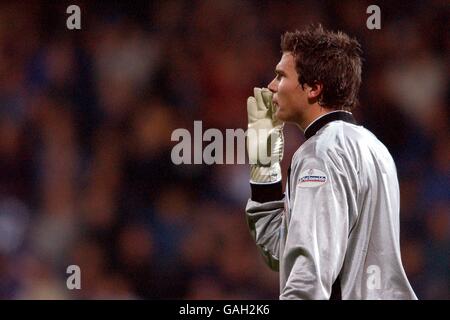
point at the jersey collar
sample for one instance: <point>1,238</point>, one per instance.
<point>321,121</point>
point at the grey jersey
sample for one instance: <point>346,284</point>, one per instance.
<point>337,225</point>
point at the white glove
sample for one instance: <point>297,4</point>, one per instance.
<point>265,141</point>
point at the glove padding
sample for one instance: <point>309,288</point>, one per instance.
<point>265,141</point>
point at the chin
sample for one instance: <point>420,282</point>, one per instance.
<point>281,116</point>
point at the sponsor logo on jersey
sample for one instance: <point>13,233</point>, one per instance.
<point>312,178</point>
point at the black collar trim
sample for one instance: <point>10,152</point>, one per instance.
<point>319,123</point>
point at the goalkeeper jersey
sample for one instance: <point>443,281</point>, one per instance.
<point>334,233</point>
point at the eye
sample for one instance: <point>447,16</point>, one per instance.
<point>279,76</point>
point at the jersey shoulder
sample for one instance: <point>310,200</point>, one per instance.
<point>339,140</point>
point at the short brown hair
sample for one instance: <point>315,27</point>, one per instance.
<point>330,58</point>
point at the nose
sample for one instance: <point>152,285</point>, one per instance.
<point>273,86</point>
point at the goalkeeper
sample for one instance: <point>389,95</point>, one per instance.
<point>334,233</point>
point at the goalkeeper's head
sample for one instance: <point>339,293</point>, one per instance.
<point>318,70</point>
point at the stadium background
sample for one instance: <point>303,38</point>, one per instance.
<point>85,124</point>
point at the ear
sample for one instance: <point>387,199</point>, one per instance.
<point>315,90</point>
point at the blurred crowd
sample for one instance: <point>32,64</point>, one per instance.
<point>86,117</point>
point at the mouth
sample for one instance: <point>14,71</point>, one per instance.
<point>276,107</point>
<point>275,103</point>
<point>274,100</point>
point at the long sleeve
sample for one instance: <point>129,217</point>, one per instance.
<point>318,230</point>
<point>264,218</point>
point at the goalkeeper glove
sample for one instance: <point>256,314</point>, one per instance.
<point>265,141</point>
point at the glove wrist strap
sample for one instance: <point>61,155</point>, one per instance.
<point>263,175</point>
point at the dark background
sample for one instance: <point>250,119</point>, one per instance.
<point>86,117</point>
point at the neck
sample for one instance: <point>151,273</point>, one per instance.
<point>315,113</point>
